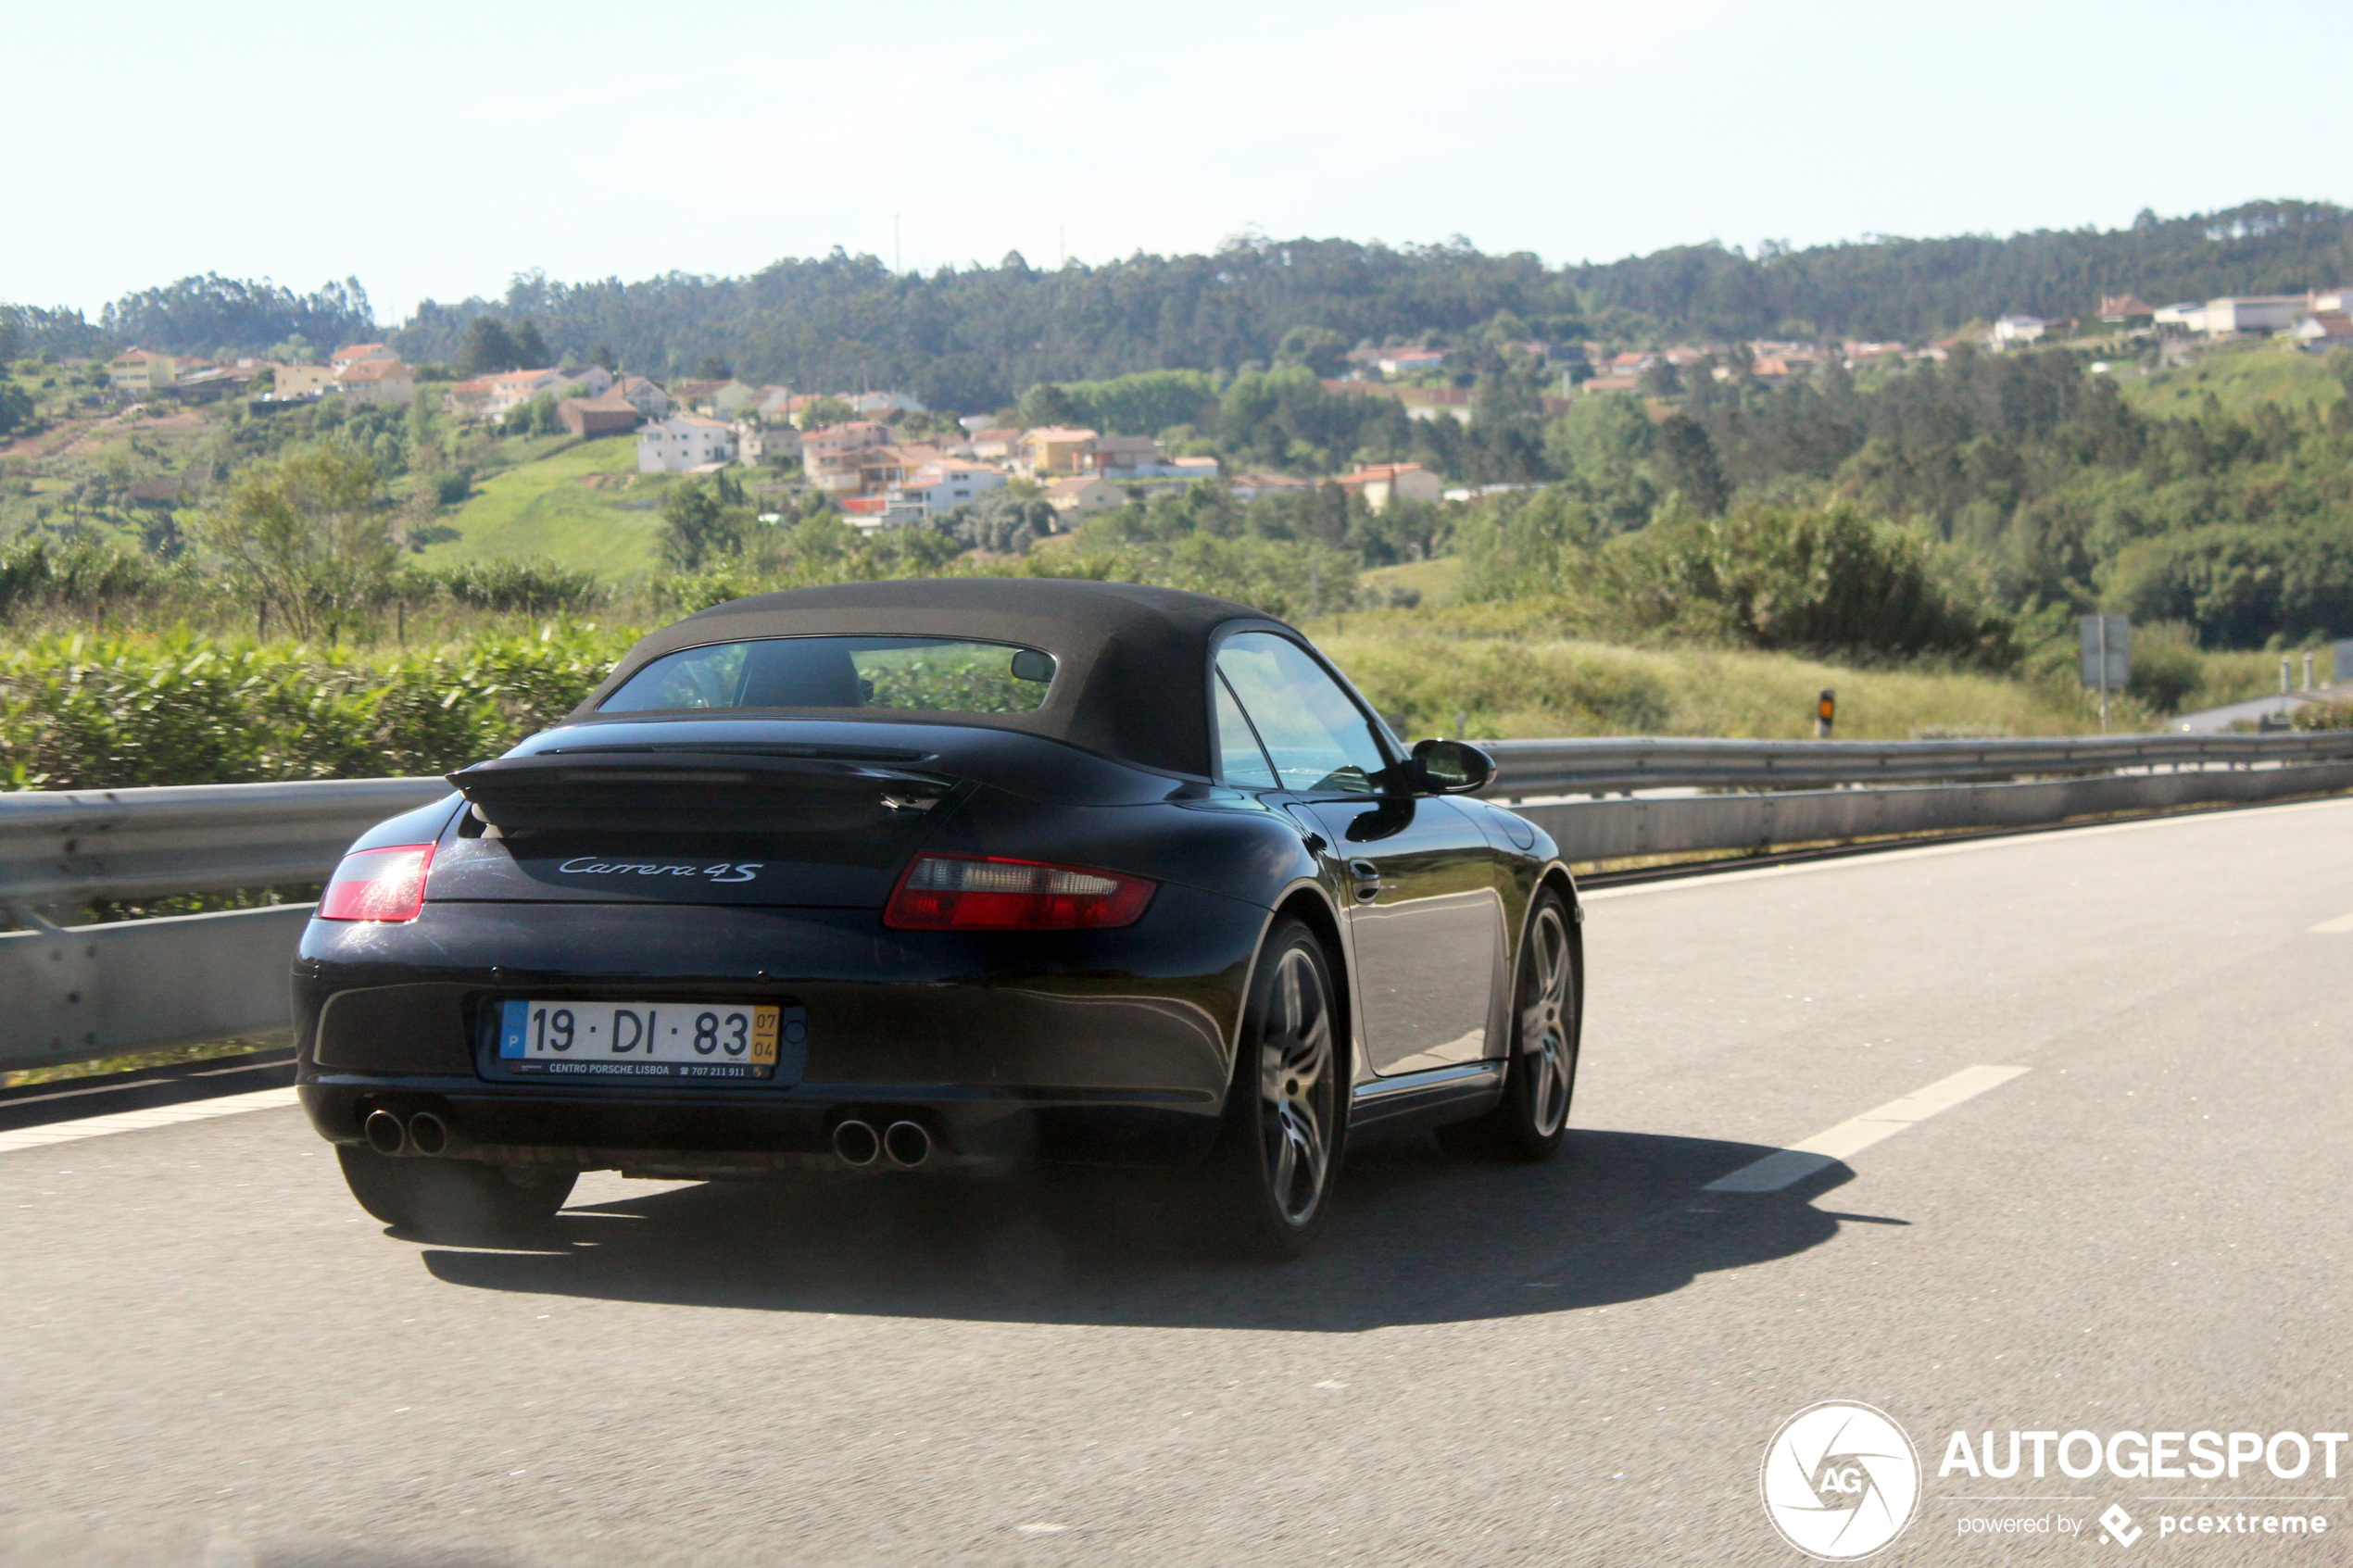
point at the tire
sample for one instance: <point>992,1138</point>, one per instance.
<point>453,1199</point>
<point>1530,1123</point>
<point>1286,1109</point>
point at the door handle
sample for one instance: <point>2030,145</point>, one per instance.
<point>1366,877</point>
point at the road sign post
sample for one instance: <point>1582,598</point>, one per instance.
<point>2108,656</point>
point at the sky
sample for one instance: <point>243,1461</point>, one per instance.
<point>434,150</point>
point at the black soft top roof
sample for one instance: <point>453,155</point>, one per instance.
<point>1132,663</point>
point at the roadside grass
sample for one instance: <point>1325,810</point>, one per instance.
<point>2242,377</point>
<point>544,507</point>
<point>140,1061</point>
<point>1433,579</point>
<point>1511,687</point>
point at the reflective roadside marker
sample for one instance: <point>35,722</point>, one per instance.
<point>1825,711</point>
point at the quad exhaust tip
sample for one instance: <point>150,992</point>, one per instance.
<point>425,1133</point>
<point>855,1143</point>
<point>428,1134</point>
<point>385,1133</point>
<point>907,1143</point>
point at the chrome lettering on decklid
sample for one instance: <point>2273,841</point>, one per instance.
<point>720,871</point>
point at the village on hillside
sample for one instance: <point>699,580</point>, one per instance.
<point>884,460</point>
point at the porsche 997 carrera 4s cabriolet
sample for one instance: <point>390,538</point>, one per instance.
<point>942,875</point>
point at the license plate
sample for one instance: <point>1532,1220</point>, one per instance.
<point>641,1040</point>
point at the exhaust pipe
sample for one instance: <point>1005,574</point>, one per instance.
<point>855,1143</point>
<point>907,1143</point>
<point>428,1134</point>
<point>384,1133</point>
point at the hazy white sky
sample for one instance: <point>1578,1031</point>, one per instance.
<point>434,149</point>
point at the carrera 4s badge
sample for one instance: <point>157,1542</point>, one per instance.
<point>723,871</point>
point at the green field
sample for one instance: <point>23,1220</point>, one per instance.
<point>2242,377</point>
<point>545,508</point>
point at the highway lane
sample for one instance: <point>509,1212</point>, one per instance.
<point>212,1358</point>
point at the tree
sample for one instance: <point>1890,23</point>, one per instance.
<point>306,534</point>
<point>1047,404</point>
<point>531,349</point>
<point>487,348</point>
<point>703,524</point>
<point>1686,461</point>
<point>713,369</point>
<point>16,406</point>
<point>604,358</point>
<point>826,412</point>
<point>1321,349</point>
<point>1603,444</point>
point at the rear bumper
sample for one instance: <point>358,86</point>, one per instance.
<point>1095,1046</point>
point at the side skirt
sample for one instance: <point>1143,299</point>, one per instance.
<point>1414,1102</point>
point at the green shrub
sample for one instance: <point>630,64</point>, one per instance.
<point>81,712</point>
<point>535,586</point>
<point>1797,577</point>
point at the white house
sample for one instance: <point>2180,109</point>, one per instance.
<point>683,442</point>
<point>2012,330</point>
<point>938,488</point>
<point>2254,313</point>
<point>872,405</point>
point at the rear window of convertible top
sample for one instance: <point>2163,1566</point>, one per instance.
<point>923,674</point>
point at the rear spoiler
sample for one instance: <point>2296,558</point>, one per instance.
<point>696,790</point>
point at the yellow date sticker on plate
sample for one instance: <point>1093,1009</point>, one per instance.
<point>763,1037</point>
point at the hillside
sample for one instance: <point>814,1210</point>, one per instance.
<point>584,506</point>
<point>973,340</point>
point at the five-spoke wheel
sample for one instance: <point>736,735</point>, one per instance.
<point>1529,1121</point>
<point>1283,1128</point>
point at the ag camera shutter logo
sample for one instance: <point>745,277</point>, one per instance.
<point>1840,1481</point>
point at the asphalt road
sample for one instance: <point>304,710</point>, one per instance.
<point>211,1356</point>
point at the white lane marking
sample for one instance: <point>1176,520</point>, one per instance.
<point>139,1120</point>
<point>1784,1166</point>
<point>1865,859</point>
<point>2336,927</point>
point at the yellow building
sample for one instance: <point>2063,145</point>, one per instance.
<point>1052,449</point>
<point>138,372</point>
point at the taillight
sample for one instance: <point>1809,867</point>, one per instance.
<point>387,884</point>
<point>977,893</point>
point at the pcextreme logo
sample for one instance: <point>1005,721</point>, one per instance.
<point>1839,1480</point>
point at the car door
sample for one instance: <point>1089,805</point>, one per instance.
<point>1425,916</point>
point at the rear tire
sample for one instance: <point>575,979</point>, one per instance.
<point>453,1199</point>
<point>1530,1121</point>
<point>1286,1108</point>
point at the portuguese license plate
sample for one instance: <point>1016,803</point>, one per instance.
<point>641,1040</point>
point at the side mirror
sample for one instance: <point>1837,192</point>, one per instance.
<point>1451,767</point>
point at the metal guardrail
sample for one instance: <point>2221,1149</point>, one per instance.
<point>1531,768</point>
<point>71,846</point>
<point>70,991</point>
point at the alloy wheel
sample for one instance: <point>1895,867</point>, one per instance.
<point>1545,1024</point>
<point>1296,1086</point>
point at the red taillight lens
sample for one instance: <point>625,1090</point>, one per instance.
<point>378,884</point>
<point>973,893</point>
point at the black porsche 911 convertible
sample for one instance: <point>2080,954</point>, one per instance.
<point>937,874</point>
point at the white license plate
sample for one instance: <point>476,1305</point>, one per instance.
<point>639,1039</point>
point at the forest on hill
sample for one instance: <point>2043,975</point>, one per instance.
<point>975,338</point>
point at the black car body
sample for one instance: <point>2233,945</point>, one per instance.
<point>968,935</point>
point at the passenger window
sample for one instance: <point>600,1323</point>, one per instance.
<point>1317,739</point>
<point>1240,762</point>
